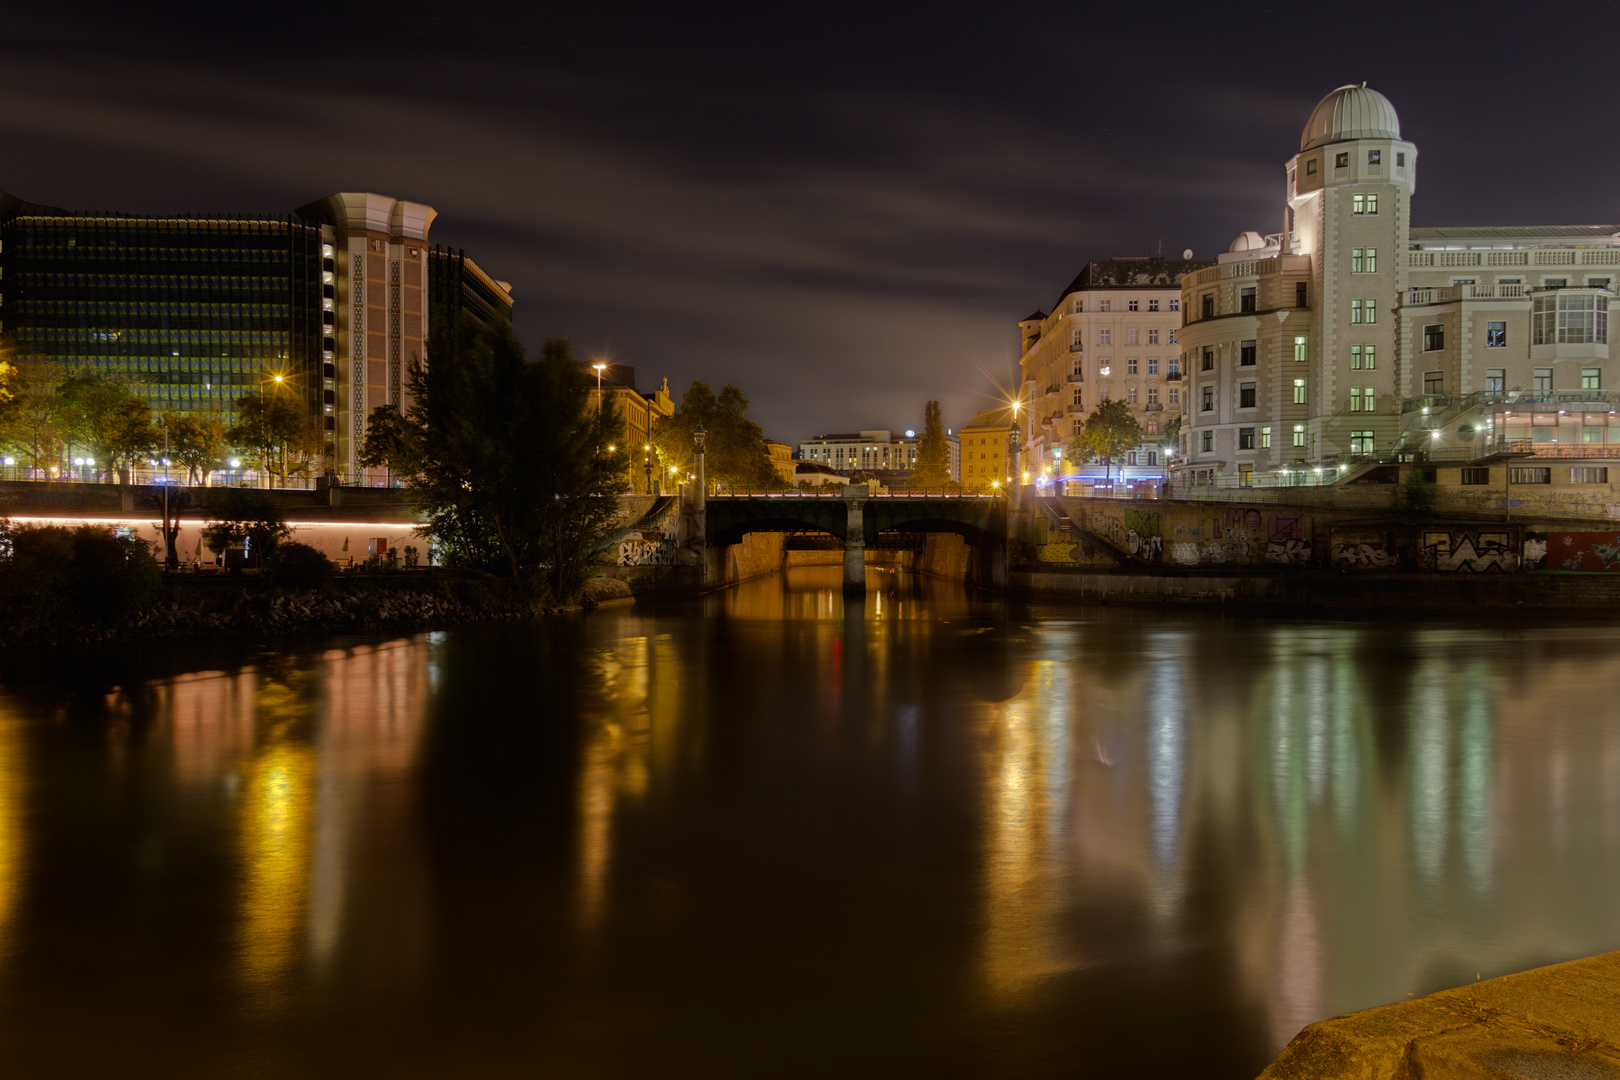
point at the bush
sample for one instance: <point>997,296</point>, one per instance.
<point>299,566</point>
<point>84,573</point>
<point>1420,495</point>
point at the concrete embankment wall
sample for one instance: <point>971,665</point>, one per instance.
<point>1557,1021</point>
<point>1330,590</point>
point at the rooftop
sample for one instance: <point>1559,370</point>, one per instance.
<point>1527,235</point>
<point>1141,272</point>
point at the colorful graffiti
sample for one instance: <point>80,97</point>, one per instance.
<point>1142,537</point>
<point>1468,551</point>
<point>1286,541</point>
<point>1243,536</point>
<point>1597,551</point>
<point>1361,549</point>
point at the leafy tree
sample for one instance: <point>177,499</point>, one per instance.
<point>387,443</point>
<point>237,514</point>
<point>1170,441</point>
<point>933,469</point>
<point>1109,432</point>
<point>85,573</point>
<point>269,428</point>
<point>115,423</point>
<point>35,415</point>
<point>196,441</point>
<point>507,459</point>
<point>1419,494</point>
<point>734,451</point>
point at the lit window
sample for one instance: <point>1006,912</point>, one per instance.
<point>1495,380</point>
<point>1355,311</point>
<point>1310,167</point>
<point>1369,356</point>
<point>1105,304</point>
<point>1299,391</point>
<point>1372,204</point>
<point>1367,399</point>
<point>1355,399</point>
<point>1372,261</point>
<point>1341,161</point>
<point>1355,359</point>
<point>1591,378</point>
<point>1374,157</point>
<point>1299,349</point>
<point>1265,438</point>
<point>1246,475</point>
<point>1372,310</point>
<point>1358,204</point>
<point>1495,335</point>
<point>1361,442</point>
<point>1355,260</point>
<point>1299,434</point>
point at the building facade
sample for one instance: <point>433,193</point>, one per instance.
<point>983,441</point>
<point>1111,336</point>
<point>636,412</point>
<point>193,312</point>
<point>863,450</point>
<point>1352,336</point>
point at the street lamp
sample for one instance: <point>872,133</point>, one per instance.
<point>647,460</point>
<point>599,369</point>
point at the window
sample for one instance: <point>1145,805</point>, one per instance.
<point>1434,382</point>
<point>1175,395</point>
<point>1246,395</point>
<point>1175,305</point>
<point>1299,349</point>
<point>1555,282</point>
<point>1591,378</point>
<point>1153,305</point>
<point>1173,367</point>
<point>1495,380</point>
<point>1153,335</point>
<point>1130,457</point>
<point>1209,399</point>
<point>1105,304</point>
<point>1079,397</point>
<point>1102,395</point>
<point>1310,167</point>
<point>1246,299</point>
<point>1368,398</point>
<point>1153,455</point>
<point>1541,380</point>
<point>1358,204</point>
<point>1361,442</point>
<point>1246,353</point>
<point>1372,261</point>
<point>1079,306</point>
<point>1434,337</point>
<point>1265,438</point>
<point>1355,358</point>
<point>1130,365</point>
<point>1369,356</point>
<point>1475,477</point>
<point>1209,360</point>
<point>1153,395</point>
<point>1579,319</point>
<point>1209,305</point>
<point>1299,434</point>
<point>1103,335</point>
<point>1400,159</point>
<point>1495,335</point>
<point>1302,291</point>
<point>1299,391</point>
<point>1355,311</point>
<point>1530,476</point>
<point>1079,371</point>
<point>1077,340</point>
<point>1153,365</point>
<point>1131,305</point>
<point>1209,441</point>
<point>1356,259</point>
<point>1130,395</point>
<point>1589,475</point>
<point>1341,161</point>
<point>1131,336</point>
<point>1372,203</point>
<point>1355,399</point>
<point>1246,438</point>
<point>1597,283</point>
<point>1075,425</point>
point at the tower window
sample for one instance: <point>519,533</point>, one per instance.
<point>1310,167</point>
<point>1374,157</point>
<point>1341,161</point>
<point>1400,159</point>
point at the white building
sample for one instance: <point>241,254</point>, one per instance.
<point>1352,336</point>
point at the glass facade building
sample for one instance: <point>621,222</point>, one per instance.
<point>193,311</point>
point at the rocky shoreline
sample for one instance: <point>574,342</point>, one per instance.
<point>185,611</point>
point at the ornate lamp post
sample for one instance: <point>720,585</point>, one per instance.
<point>699,437</point>
<point>647,460</point>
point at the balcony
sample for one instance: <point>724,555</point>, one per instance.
<point>1174,376</point>
<point>1076,378</point>
<point>1076,346</point>
<point>1154,406</point>
<point>1448,294</point>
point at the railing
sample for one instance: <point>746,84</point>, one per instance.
<point>1247,268</point>
<point>893,494</point>
<point>1154,406</point>
<point>1075,346</point>
<point>1055,388</point>
<point>1486,398</point>
<point>1077,377</point>
<point>1521,257</point>
<point>1174,376</point>
<point>1446,294</point>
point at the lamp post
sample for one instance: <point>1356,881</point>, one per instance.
<point>699,437</point>
<point>647,460</point>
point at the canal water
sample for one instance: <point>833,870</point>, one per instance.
<point>763,835</point>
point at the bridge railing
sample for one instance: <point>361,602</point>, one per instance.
<point>839,495</point>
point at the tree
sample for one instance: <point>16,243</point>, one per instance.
<point>115,423</point>
<point>35,415</point>
<point>268,426</point>
<point>734,450</point>
<point>933,468</point>
<point>238,514</point>
<point>196,441</point>
<point>506,459</point>
<point>387,443</point>
<point>1109,432</point>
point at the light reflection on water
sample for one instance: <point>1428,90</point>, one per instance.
<point>944,835</point>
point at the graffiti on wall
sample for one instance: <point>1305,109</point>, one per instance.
<point>1239,537</point>
<point>1286,539</point>
<point>1142,537</point>
<point>1468,551</point>
<point>1579,551</point>
<point>1361,549</point>
<point>636,551</point>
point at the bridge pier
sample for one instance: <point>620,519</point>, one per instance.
<point>855,496</point>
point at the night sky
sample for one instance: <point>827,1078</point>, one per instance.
<point>844,210</point>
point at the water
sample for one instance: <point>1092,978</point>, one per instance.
<point>752,837</point>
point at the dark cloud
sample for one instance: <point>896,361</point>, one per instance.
<point>842,211</point>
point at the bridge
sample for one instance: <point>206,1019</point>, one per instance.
<point>859,520</point>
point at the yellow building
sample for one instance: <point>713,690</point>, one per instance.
<point>984,449</point>
<point>615,389</point>
<point>782,461</point>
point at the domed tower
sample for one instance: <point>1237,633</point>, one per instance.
<point>1349,208</point>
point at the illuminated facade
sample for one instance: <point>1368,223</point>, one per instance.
<point>1352,336</point>
<point>1111,336</point>
<point>196,311</point>
<point>984,449</point>
<point>636,412</point>
<point>863,450</point>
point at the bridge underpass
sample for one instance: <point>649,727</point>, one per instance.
<point>858,521</point>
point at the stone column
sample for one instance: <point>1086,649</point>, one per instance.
<point>855,539</point>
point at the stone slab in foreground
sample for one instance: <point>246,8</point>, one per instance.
<point>1553,1023</point>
